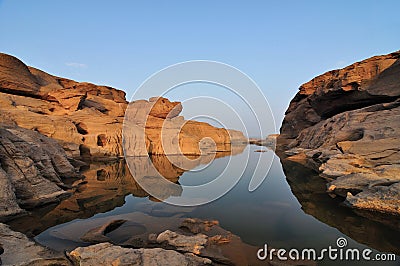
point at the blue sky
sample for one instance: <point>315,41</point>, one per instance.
<point>279,44</point>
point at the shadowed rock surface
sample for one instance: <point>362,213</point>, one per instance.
<point>32,170</point>
<point>345,124</point>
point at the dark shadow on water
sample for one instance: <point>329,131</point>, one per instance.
<point>372,229</point>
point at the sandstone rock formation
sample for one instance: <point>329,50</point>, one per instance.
<point>346,125</point>
<point>87,119</point>
<point>155,127</point>
<point>32,170</point>
<point>269,142</point>
<point>193,243</point>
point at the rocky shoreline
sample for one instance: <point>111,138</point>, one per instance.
<point>345,124</point>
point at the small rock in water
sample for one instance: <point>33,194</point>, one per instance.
<point>331,188</point>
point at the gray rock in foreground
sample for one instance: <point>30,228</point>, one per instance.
<point>109,254</point>
<point>32,169</point>
<point>19,250</point>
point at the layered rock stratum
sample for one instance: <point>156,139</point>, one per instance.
<point>345,124</point>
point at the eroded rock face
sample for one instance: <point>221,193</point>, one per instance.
<point>165,132</point>
<point>76,114</point>
<point>346,125</point>
<point>32,170</point>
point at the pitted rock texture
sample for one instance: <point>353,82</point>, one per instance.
<point>346,125</point>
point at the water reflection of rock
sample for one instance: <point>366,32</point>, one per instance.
<point>310,190</point>
<point>106,185</point>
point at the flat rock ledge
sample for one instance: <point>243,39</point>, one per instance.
<point>109,254</point>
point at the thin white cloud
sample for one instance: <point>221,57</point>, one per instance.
<point>340,64</point>
<point>76,65</point>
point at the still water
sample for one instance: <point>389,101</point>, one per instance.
<point>290,209</point>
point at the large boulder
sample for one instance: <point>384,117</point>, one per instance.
<point>346,125</point>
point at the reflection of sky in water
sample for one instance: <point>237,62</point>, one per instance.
<point>271,214</point>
